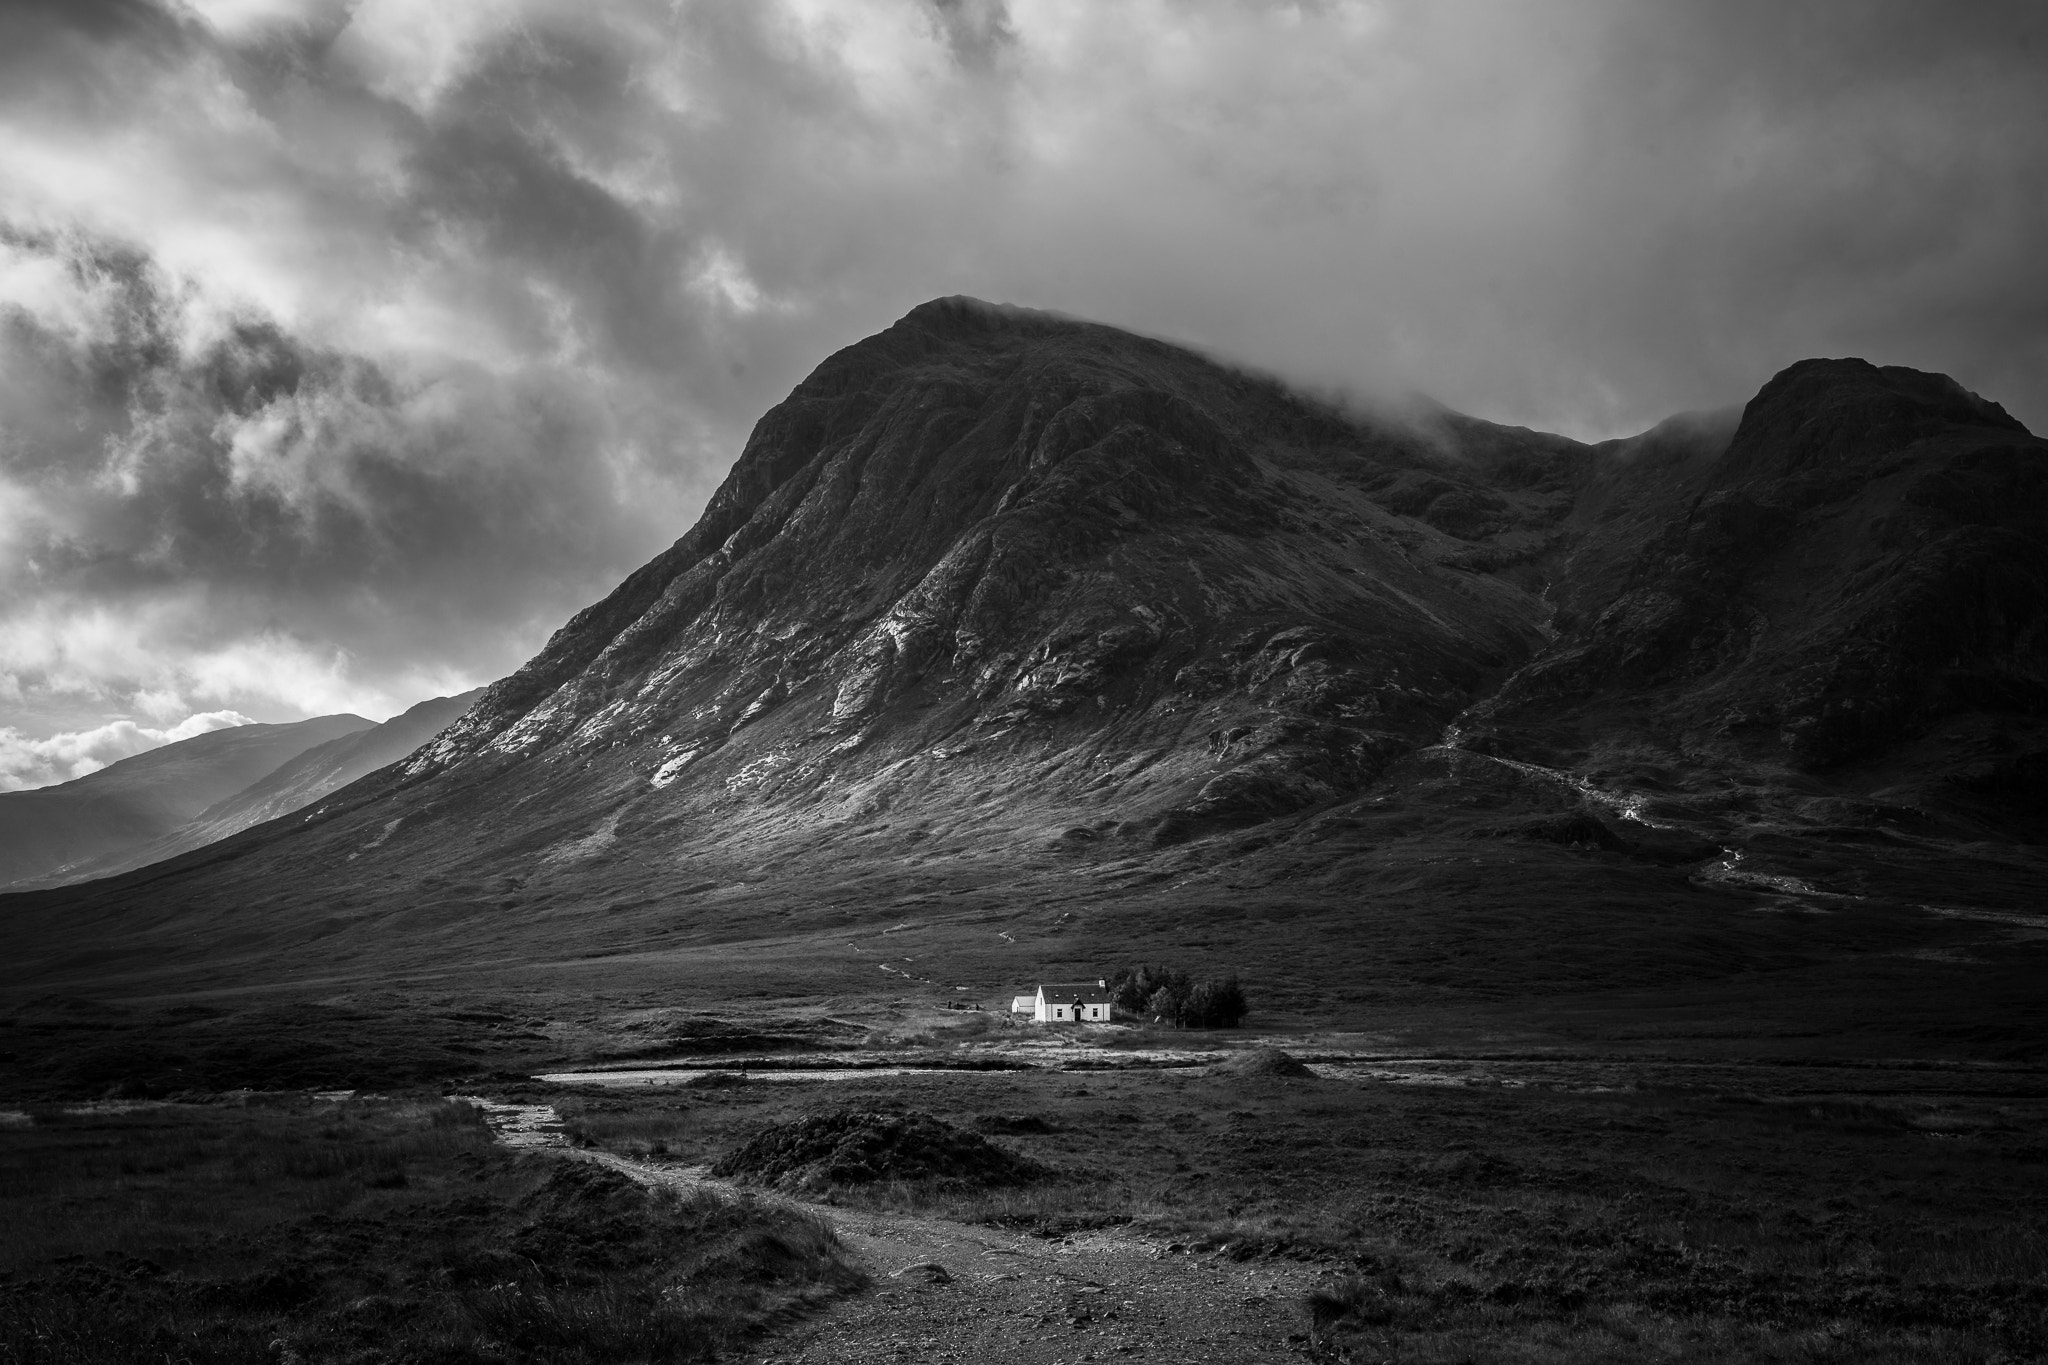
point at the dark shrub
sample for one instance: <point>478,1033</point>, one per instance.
<point>1174,997</point>
<point>855,1147</point>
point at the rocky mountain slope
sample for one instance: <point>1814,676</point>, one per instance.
<point>1009,628</point>
<point>127,804</point>
<point>1033,544</point>
<point>293,785</point>
<point>1868,558</point>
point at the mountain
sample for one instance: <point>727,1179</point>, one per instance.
<point>141,798</point>
<point>1867,560</point>
<point>1042,544</point>
<point>293,785</point>
<point>1014,643</point>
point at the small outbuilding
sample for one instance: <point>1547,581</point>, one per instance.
<point>1023,1004</point>
<point>1085,1002</point>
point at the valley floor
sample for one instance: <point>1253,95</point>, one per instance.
<point>949,1291</point>
<point>195,1183</point>
<point>1456,1209</point>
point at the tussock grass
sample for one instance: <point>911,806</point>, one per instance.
<point>647,1133</point>
<point>83,1181</point>
<point>290,1229</point>
<point>1488,1224</point>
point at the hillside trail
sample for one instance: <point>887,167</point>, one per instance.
<point>949,1293</point>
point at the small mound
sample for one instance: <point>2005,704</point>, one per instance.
<point>583,1189</point>
<point>858,1147</point>
<point>1263,1061</point>
<point>1012,1123</point>
<point>714,1080</point>
<point>586,1213</point>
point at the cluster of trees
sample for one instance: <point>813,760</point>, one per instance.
<point>1177,998</point>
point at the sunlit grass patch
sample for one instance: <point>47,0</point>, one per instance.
<point>656,1131</point>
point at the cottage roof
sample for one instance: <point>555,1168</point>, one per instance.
<point>1064,992</point>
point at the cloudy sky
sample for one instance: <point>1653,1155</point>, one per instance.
<point>348,346</point>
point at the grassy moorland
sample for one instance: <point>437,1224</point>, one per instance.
<point>291,1228</point>
<point>1505,1194</point>
<point>1731,1214</point>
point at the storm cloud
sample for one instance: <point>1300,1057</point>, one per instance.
<point>347,348</point>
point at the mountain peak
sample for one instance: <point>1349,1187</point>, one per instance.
<point>1818,413</point>
<point>1013,502</point>
<point>1848,571</point>
<point>956,313</point>
<point>1848,381</point>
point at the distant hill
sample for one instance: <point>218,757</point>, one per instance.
<point>142,798</point>
<point>295,784</point>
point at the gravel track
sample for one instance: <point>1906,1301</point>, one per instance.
<point>946,1292</point>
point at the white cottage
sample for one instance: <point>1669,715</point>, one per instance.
<point>1085,1002</point>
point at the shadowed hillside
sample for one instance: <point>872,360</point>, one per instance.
<point>1868,559</point>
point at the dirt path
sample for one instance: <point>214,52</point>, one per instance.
<point>947,1293</point>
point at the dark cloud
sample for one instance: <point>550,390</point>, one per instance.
<point>346,348</point>
<point>1771,181</point>
<point>977,31</point>
<point>309,495</point>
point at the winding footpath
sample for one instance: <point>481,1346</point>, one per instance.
<point>947,1293</point>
